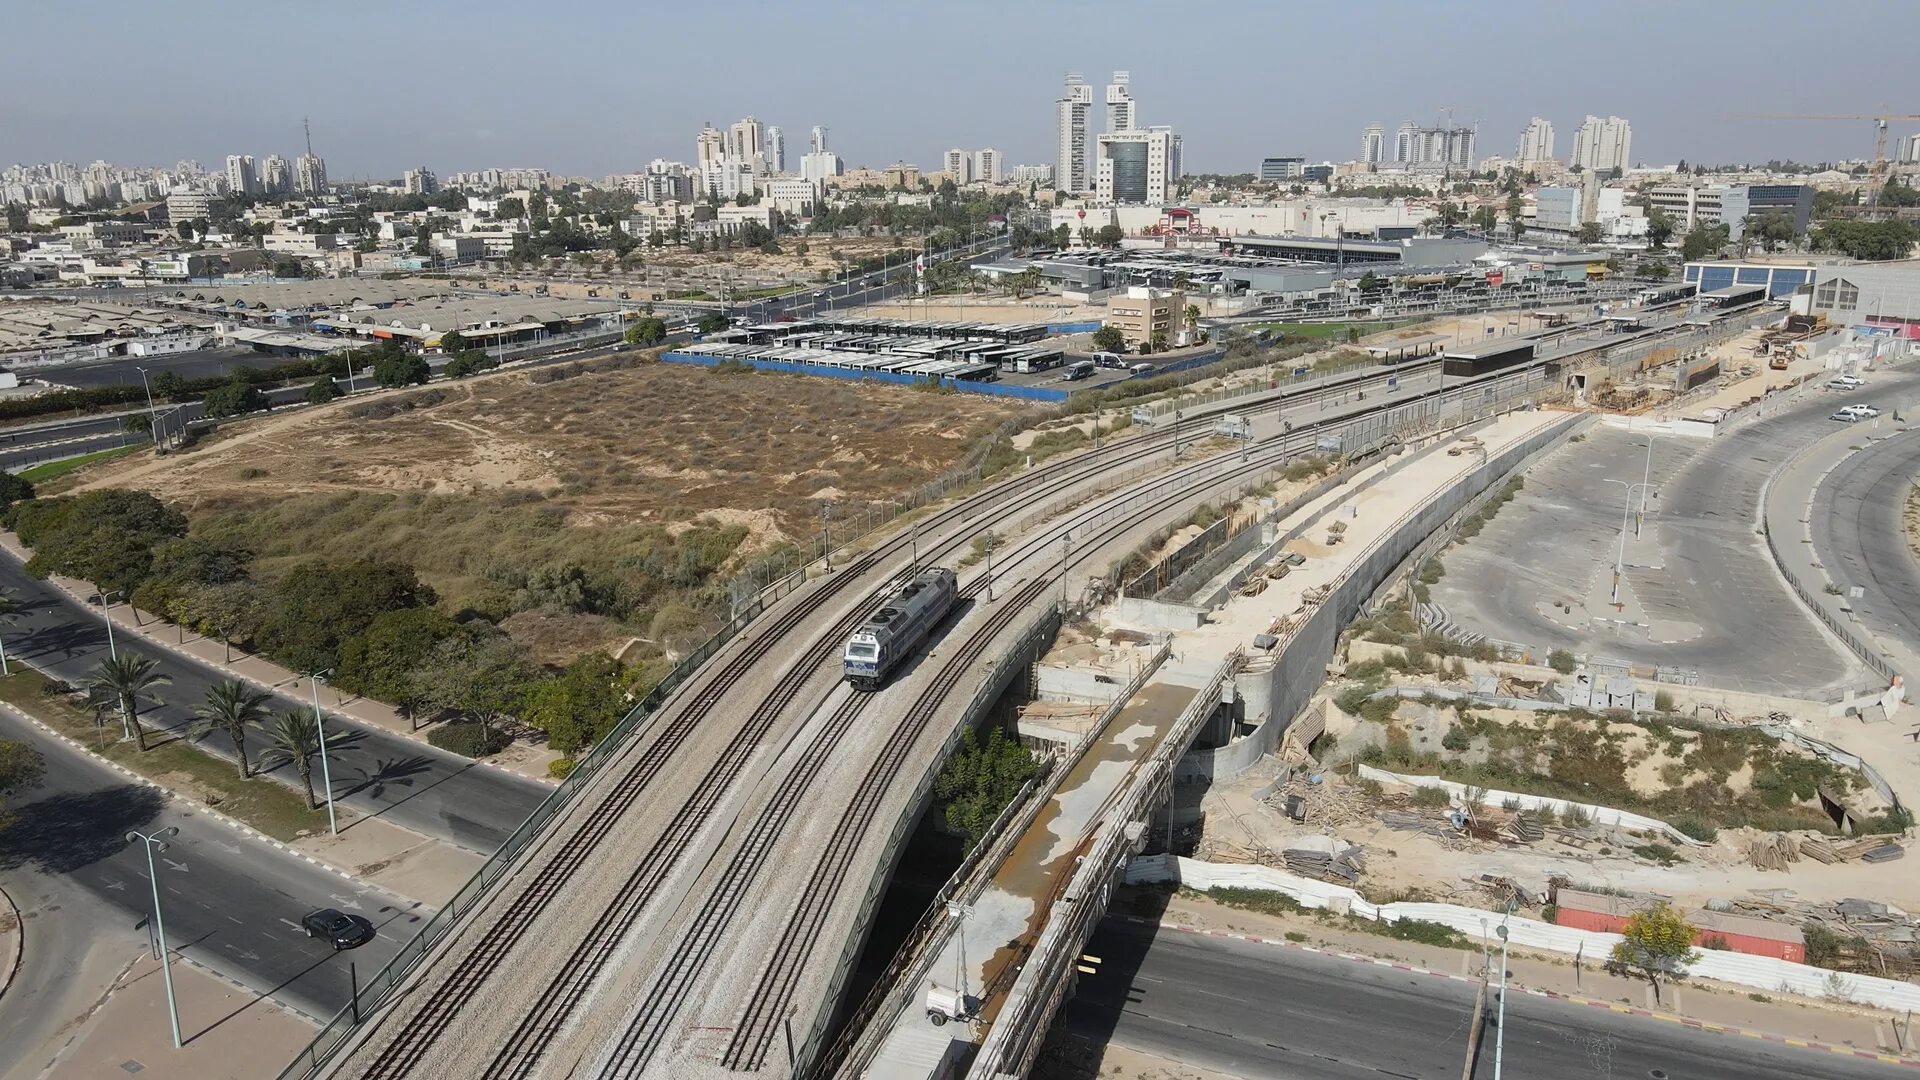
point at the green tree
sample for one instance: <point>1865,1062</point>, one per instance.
<point>1656,270</point>
<point>125,680</point>
<point>137,423</point>
<point>106,536</point>
<point>452,342</point>
<point>1485,218</point>
<point>470,362</point>
<point>1516,214</point>
<point>230,707</point>
<point>293,740</point>
<point>1158,341</point>
<point>1192,319</point>
<point>400,368</point>
<point>712,323</point>
<point>21,769</point>
<point>323,390</point>
<point>234,397</point>
<point>1108,236</point>
<point>14,489</point>
<point>647,331</point>
<point>1109,339</point>
<point>171,386</point>
<point>1589,232</point>
<point>177,567</point>
<point>485,679</point>
<point>1658,943</point>
<point>981,780</point>
<point>1772,229</point>
<point>1370,282</point>
<point>577,709</point>
<point>1866,240</point>
<point>316,606</point>
<point>1062,236</point>
<point>1703,240</point>
<point>380,660</point>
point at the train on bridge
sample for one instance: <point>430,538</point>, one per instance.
<point>895,632</point>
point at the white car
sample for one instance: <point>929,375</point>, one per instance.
<point>1846,382</point>
<point>1864,412</point>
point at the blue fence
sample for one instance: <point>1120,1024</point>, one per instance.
<point>1073,327</point>
<point>1211,356</point>
<point>1025,393</point>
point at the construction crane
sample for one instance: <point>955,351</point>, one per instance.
<point>1877,175</point>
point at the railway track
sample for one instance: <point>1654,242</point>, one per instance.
<point>753,1035</point>
<point>419,1033</point>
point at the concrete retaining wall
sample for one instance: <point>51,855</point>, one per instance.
<point>1302,667</point>
<point>1741,969</point>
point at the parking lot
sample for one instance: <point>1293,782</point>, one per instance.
<point>1699,592</point>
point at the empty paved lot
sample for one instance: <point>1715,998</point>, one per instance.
<point>1700,591</point>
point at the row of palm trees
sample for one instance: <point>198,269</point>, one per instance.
<point>124,682</point>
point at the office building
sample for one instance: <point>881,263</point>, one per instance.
<point>1705,206</point>
<point>1134,167</point>
<point>776,150</point>
<point>1536,142</point>
<point>276,175</point>
<point>310,175</point>
<point>1175,168</point>
<point>1909,150</point>
<point>1070,174</point>
<point>746,140</point>
<point>793,198</point>
<point>1281,169</point>
<point>959,166</point>
<point>186,205</point>
<point>1373,144</point>
<point>421,181</point>
<point>986,166</point>
<point>1120,115</point>
<point>710,146</point>
<point>1557,209</point>
<point>240,176</point>
<point>816,168</point>
<point>665,182</point>
<point>1144,312</point>
<point>817,144</point>
<point>1603,145</point>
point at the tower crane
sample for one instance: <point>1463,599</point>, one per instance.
<point>1877,175</point>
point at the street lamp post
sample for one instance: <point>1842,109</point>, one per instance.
<point>326,771</point>
<point>156,842</point>
<point>152,428</point>
<point>1500,1020</point>
<point>1626,517</point>
<point>1646,478</point>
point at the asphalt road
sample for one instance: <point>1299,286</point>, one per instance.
<point>1713,570</point>
<point>124,370</point>
<point>376,772</point>
<point>1261,1011</point>
<point>1859,533</point>
<point>229,902</point>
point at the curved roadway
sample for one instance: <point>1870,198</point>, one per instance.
<point>1860,534</point>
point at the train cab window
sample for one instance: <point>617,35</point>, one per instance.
<point>863,650</point>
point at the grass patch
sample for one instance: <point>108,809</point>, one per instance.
<point>267,805</point>
<point>1264,901</point>
<point>1421,931</point>
<point>53,470</point>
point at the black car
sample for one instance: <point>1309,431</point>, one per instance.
<point>343,930</point>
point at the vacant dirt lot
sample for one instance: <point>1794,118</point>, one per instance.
<point>640,475</point>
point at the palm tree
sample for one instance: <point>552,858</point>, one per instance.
<point>230,707</point>
<point>1193,319</point>
<point>293,738</point>
<point>125,679</point>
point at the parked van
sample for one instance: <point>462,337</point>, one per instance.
<point>1109,360</point>
<point>1080,369</point>
<point>1141,371</point>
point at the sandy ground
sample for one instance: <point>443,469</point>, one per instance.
<point>655,442</point>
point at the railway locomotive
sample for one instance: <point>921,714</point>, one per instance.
<point>895,631</point>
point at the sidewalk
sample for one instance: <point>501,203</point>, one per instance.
<point>1728,1010</point>
<point>12,940</point>
<point>259,671</point>
<point>228,1033</point>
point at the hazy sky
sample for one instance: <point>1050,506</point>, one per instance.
<point>598,87</point>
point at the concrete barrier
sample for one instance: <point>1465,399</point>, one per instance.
<point>1740,969</point>
<point>1301,665</point>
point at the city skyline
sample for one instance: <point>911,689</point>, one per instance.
<point>594,119</point>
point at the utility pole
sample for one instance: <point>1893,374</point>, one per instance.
<point>326,771</point>
<point>153,428</point>
<point>157,841</point>
<point>1066,556</point>
<point>1500,1020</point>
<point>826,537</point>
